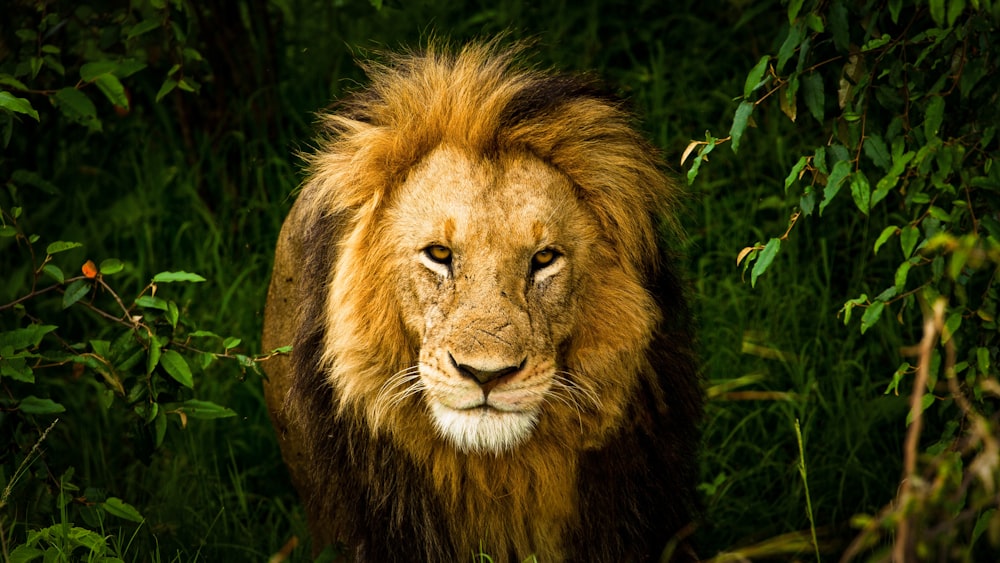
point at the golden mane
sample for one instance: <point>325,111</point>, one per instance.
<point>633,347</point>
<point>482,100</point>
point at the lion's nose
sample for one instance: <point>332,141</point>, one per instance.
<point>484,376</point>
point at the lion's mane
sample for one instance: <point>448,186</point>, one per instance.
<point>613,482</point>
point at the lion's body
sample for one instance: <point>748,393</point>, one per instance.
<point>490,352</point>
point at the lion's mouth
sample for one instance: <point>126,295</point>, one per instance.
<point>484,426</point>
<point>487,407</point>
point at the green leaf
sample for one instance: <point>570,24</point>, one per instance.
<point>111,266</point>
<point>861,190</point>
<point>173,313</point>
<point>61,246</point>
<point>206,410</point>
<point>951,326</point>
<point>144,26</point>
<point>54,63</point>
<point>901,371</point>
<point>940,214</point>
<point>839,26</point>
<point>150,302</point>
<point>895,6</point>
<point>159,427</point>
<point>813,94</point>
<point>974,71</point>
<point>35,63</point>
<point>27,337</point>
<point>982,524</point>
<point>15,84</point>
<point>168,86</point>
<point>796,33</point>
<point>231,342</point>
<point>851,304</point>
<point>925,401</point>
<point>113,90</point>
<point>764,260</point>
<point>937,11</point>
<point>32,178</point>
<point>884,236</point>
<point>755,78</point>
<point>901,274</point>
<point>75,292</point>
<point>955,9</point>
<point>877,152</point>
<point>834,181</point>
<point>983,360</point>
<point>177,368</point>
<point>886,294</point>
<point>77,107</point>
<point>203,334</point>
<point>128,67</point>
<point>807,202</point>
<point>188,85</point>
<point>11,102</point>
<point>89,72</point>
<point>170,277</point>
<point>793,10</point>
<point>702,156</point>
<point>815,22</point>
<point>793,175</point>
<point>908,238</point>
<point>191,55</point>
<point>7,231</point>
<point>872,314</point>
<point>933,117</point>
<point>25,553</point>
<point>101,347</point>
<point>876,42</point>
<point>17,368</point>
<point>153,359</point>
<point>54,272</point>
<point>740,121</point>
<point>33,405</point>
<point>117,507</point>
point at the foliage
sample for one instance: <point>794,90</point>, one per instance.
<point>99,48</point>
<point>138,356</point>
<point>194,174</point>
<point>900,126</point>
<point>76,351</point>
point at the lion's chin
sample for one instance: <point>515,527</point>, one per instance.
<point>484,428</point>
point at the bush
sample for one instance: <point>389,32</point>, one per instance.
<point>98,364</point>
<point>895,109</point>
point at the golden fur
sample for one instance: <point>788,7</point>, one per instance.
<point>465,217</point>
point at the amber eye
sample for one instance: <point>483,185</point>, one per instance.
<point>543,258</point>
<point>438,253</point>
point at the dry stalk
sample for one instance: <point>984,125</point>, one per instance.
<point>902,550</point>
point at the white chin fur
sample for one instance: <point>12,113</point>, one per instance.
<point>483,430</point>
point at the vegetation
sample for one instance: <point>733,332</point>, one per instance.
<point>850,348</point>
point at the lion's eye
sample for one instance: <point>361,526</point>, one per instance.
<point>543,258</point>
<point>439,254</point>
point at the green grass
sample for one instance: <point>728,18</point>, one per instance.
<point>212,203</point>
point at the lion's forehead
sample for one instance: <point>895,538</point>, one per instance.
<point>452,198</point>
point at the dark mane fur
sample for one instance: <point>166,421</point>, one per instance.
<point>634,494</point>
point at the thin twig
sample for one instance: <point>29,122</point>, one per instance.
<point>932,328</point>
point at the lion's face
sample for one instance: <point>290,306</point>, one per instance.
<point>491,256</point>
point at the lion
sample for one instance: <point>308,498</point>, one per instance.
<point>492,351</point>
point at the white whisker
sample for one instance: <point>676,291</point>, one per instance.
<point>568,390</point>
<point>397,388</point>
